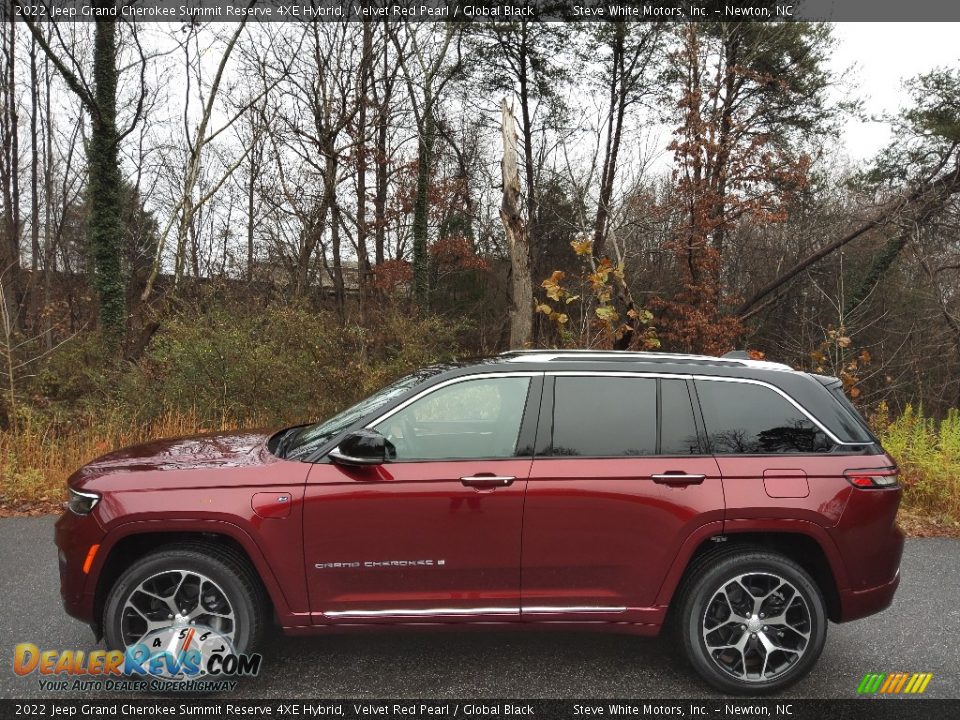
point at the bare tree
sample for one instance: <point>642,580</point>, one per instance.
<point>105,183</point>
<point>515,226</point>
<point>427,69</point>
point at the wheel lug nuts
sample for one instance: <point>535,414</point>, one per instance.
<point>764,628</point>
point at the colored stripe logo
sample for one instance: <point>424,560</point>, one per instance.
<point>894,683</point>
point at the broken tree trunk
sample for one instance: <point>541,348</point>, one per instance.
<point>518,239</point>
<point>913,208</point>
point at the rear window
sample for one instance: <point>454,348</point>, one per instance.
<point>747,419</point>
<point>836,390</point>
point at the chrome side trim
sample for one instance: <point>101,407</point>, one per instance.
<point>459,612</point>
<point>573,609</point>
<point>422,612</point>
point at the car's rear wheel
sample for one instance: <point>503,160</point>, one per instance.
<point>189,585</point>
<point>753,622</point>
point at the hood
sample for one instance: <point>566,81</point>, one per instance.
<point>226,450</point>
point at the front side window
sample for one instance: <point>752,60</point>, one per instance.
<point>748,419</point>
<point>298,443</point>
<point>604,416</point>
<point>472,419</point>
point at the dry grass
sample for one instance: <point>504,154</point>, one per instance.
<point>37,459</point>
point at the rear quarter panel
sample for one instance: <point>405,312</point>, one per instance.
<point>855,527</point>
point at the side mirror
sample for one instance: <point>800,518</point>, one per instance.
<point>363,447</point>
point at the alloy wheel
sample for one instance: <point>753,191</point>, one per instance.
<point>176,598</point>
<point>756,626</point>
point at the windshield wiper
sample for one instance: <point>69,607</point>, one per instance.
<point>284,442</point>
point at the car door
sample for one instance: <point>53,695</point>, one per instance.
<point>612,496</point>
<point>434,534</point>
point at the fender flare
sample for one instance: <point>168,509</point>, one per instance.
<point>732,527</point>
<point>216,527</point>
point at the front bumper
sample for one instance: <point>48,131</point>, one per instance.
<point>74,535</point>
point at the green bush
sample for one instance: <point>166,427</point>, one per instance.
<point>287,364</point>
<point>928,454</point>
<point>241,365</point>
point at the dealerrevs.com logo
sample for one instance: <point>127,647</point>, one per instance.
<point>173,658</point>
<point>899,683</point>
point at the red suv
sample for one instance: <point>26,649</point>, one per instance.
<point>743,501</point>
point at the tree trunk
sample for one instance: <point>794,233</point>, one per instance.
<point>105,191</point>
<point>10,251</point>
<point>881,264</point>
<point>49,254</point>
<point>533,205</point>
<point>914,207</point>
<point>421,269</point>
<point>366,72</point>
<point>251,209</point>
<point>34,164</point>
<point>382,160</point>
<point>380,196</point>
<point>338,284</point>
<point>521,312</point>
<point>618,102</point>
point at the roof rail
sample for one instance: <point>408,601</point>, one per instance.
<point>548,355</point>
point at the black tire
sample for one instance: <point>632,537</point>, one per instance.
<point>723,668</point>
<point>222,565</point>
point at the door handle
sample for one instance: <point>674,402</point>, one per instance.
<point>677,478</point>
<point>487,481</point>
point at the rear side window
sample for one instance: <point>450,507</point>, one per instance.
<point>604,416</point>
<point>747,419</point>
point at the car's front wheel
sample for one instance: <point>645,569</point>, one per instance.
<point>188,585</point>
<point>752,622</point>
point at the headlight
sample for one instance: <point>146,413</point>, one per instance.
<point>81,503</point>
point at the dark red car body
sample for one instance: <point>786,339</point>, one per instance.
<point>572,542</point>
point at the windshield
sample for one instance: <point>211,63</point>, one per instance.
<point>299,442</point>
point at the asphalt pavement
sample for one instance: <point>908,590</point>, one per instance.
<point>919,633</point>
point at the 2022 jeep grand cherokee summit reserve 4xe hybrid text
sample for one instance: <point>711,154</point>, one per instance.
<point>745,502</point>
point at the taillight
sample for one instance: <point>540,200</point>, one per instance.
<point>873,478</point>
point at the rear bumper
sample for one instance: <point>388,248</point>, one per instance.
<point>855,604</point>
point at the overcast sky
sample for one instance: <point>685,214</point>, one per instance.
<point>882,56</point>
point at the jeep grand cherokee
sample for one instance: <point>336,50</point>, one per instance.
<point>744,502</point>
